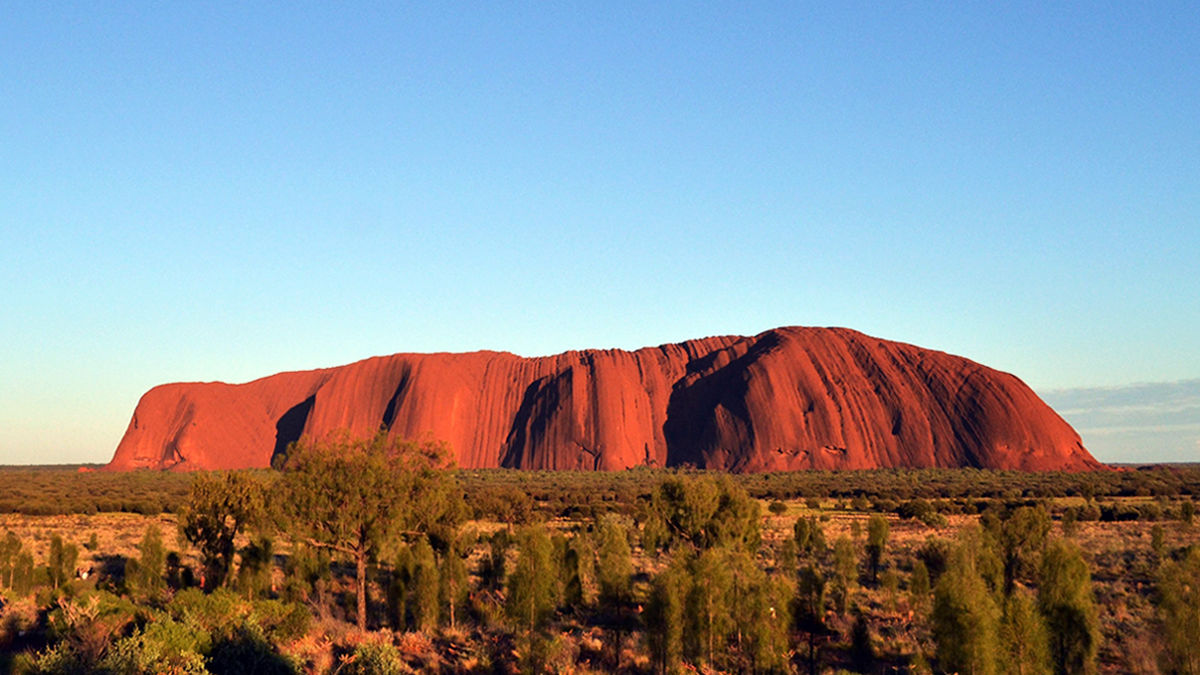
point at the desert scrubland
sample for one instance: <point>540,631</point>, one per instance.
<point>633,571</point>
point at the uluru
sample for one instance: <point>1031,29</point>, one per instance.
<point>786,399</point>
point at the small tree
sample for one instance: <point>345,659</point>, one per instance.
<point>809,536</point>
<point>1023,636</point>
<point>254,573</point>
<point>1070,522</point>
<point>918,583</point>
<point>10,548</point>
<point>614,569</point>
<point>1158,541</point>
<point>965,619</point>
<point>219,508</point>
<point>532,594</point>
<point>54,560</point>
<point>400,588</point>
<point>768,622</point>
<point>707,615</point>
<point>357,496</point>
<point>1179,608</point>
<point>454,578</point>
<point>786,558</point>
<point>61,562</point>
<point>614,574</point>
<point>845,572</point>
<point>22,574</point>
<point>745,582</point>
<point>149,574</point>
<point>810,610</point>
<point>1019,538</point>
<point>664,617</point>
<point>1065,600</point>
<point>701,512</point>
<point>877,537</point>
<point>862,652</point>
<point>579,562</point>
<point>426,583</point>
<point>492,570</point>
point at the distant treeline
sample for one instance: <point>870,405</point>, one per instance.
<point>44,491</point>
<point>514,496</point>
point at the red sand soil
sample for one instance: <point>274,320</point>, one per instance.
<point>789,398</point>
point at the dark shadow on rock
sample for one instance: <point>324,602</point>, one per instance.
<point>289,427</point>
<point>691,429</point>
<point>389,415</point>
<point>539,407</point>
<point>517,440</point>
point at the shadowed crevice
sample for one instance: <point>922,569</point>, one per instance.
<point>289,427</point>
<point>389,415</point>
<point>709,406</point>
<point>540,407</point>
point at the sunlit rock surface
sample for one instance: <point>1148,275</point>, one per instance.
<point>789,398</point>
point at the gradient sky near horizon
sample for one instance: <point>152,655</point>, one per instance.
<point>221,191</point>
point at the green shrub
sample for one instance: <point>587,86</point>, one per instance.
<point>214,613</point>
<point>1070,522</point>
<point>914,508</point>
<point>1089,512</point>
<point>935,519</point>
<point>934,553</point>
<point>82,629</point>
<point>375,658</point>
<point>58,659</point>
<point>282,621</point>
<point>161,646</point>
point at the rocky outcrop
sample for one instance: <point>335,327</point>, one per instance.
<point>790,398</point>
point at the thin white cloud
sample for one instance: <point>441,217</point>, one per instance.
<point>1148,422</point>
<point>1159,429</point>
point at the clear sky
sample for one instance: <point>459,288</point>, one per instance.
<point>221,191</point>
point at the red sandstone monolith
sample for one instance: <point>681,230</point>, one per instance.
<point>789,398</point>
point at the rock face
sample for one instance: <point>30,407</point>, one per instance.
<point>790,398</point>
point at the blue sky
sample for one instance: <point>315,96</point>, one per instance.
<point>220,191</point>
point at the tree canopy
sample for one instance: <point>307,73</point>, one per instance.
<point>701,511</point>
<point>220,507</point>
<point>357,496</point>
